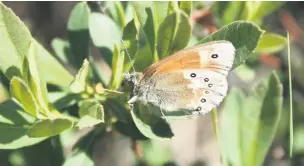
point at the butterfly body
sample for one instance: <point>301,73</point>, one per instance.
<point>192,80</point>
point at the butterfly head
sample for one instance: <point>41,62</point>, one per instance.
<point>132,79</point>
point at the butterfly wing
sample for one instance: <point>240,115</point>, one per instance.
<point>196,57</point>
<point>192,80</point>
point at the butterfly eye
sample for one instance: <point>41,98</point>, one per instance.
<point>198,108</point>
<point>192,75</point>
<point>214,56</point>
<point>210,85</point>
<point>206,79</point>
<point>203,100</point>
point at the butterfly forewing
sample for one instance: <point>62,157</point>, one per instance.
<point>193,79</point>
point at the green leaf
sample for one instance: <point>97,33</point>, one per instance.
<point>251,132</point>
<point>130,43</point>
<point>14,42</point>
<point>298,145</point>
<point>22,93</point>
<point>116,12</point>
<point>36,84</point>
<point>83,149</point>
<point>270,115</point>
<point>79,159</point>
<point>245,73</point>
<point>91,113</point>
<point>62,49</point>
<point>243,35</point>
<point>160,10</point>
<point>87,121</point>
<point>271,43</point>
<point>117,109</point>
<point>4,93</point>
<point>110,93</point>
<point>105,34</point>
<point>50,70</point>
<point>155,153</point>
<point>257,10</point>
<point>129,129</point>
<point>148,15</point>
<point>80,81</point>
<point>91,108</point>
<point>150,125</point>
<point>248,10</point>
<point>219,7</point>
<point>97,73</point>
<point>232,12</point>
<point>117,69</point>
<point>129,12</point>
<point>49,127</point>
<point>143,58</point>
<point>78,33</point>
<point>173,7</point>
<point>14,122</point>
<point>186,6</point>
<point>62,100</point>
<point>129,31</point>
<point>231,111</point>
<point>173,34</point>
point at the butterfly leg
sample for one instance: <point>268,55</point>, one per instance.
<point>161,111</point>
<point>163,114</point>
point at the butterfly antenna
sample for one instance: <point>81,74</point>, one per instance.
<point>127,52</point>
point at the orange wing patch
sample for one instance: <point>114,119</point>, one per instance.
<point>191,61</point>
<point>184,59</point>
<point>177,61</point>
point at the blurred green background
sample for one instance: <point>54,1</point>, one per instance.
<point>48,20</point>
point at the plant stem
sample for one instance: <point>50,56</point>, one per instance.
<point>290,99</point>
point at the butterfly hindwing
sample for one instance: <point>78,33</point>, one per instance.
<point>193,79</point>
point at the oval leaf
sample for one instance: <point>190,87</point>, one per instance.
<point>150,125</point>
<point>91,108</point>
<point>62,100</point>
<point>271,43</point>
<point>50,70</point>
<point>173,34</point>
<point>257,10</point>
<point>22,93</point>
<point>91,113</point>
<point>62,49</point>
<point>49,127</point>
<point>78,33</point>
<point>255,126</point>
<point>186,6</point>
<point>36,83</point>
<point>117,69</point>
<point>104,33</point>
<point>80,81</point>
<point>116,12</point>
<point>79,159</point>
<point>148,16</point>
<point>269,119</point>
<point>14,122</point>
<point>14,39</point>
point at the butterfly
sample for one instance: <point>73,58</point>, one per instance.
<point>189,82</point>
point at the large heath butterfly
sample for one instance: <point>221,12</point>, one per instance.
<point>192,80</point>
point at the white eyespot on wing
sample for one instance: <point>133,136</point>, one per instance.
<point>206,79</point>
<point>218,55</point>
